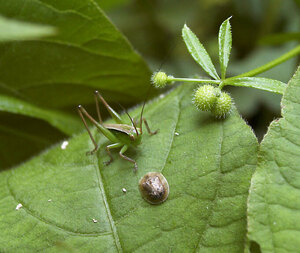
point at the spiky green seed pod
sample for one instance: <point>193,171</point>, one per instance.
<point>223,106</point>
<point>159,79</point>
<point>205,97</point>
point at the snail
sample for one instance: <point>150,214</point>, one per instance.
<point>154,188</point>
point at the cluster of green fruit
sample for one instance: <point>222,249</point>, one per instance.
<point>206,98</point>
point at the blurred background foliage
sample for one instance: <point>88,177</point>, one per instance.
<point>262,31</point>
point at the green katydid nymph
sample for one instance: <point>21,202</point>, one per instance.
<point>120,134</point>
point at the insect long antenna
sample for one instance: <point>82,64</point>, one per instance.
<point>132,122</point>
<point>137,133</point>
<point>141,117</point>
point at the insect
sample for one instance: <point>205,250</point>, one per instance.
<point>120,134</point>
<point>154,188</point>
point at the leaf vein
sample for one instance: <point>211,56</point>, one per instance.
<point>217,188</point>
<point>173,135</point>
<point>106,204</point>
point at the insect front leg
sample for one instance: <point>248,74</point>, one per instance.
<point>111,146</point>
<point>121,153</point>
<point>148,128</point>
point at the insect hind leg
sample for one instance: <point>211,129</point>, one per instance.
<point>81,112</point>
<point>111,111</point>
<point>97,106</point>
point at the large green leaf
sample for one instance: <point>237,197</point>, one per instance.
<point>15,30</point>
<point>207,162</point>
<point>61,72</point>
<point>88,53</point>
<point>274,201</point>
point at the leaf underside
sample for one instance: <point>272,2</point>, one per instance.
<point>274,201</point>
<point>208,167</point>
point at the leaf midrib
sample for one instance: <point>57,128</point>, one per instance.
<point>197,55</point>
<point>173,135</point>
<point>220,174</point>
<point>106,204</point>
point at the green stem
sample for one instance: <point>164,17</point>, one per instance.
<point>171,79</point>
<point>222,84</point>
<point>270,64</point>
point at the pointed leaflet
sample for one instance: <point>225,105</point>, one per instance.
<point>208,167</point>
<point>198,52</point>
<point>225,42</point>
<point>274,201</point>
<point>259,83</point>
<point>16,30</point>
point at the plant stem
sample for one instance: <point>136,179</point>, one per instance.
<point>171,79</point>
<point>270,64</point>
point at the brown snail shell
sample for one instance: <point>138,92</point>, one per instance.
<point>154,187</point>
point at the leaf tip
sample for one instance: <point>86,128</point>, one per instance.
<point>185,28</point>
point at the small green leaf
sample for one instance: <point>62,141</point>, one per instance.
<point>16,30</point>
<point>62,121</point>
<point>274,201</point>
<point>225,42</point>
<point>258,83</point>
<point>198,52</point>
<point>208,164</point>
